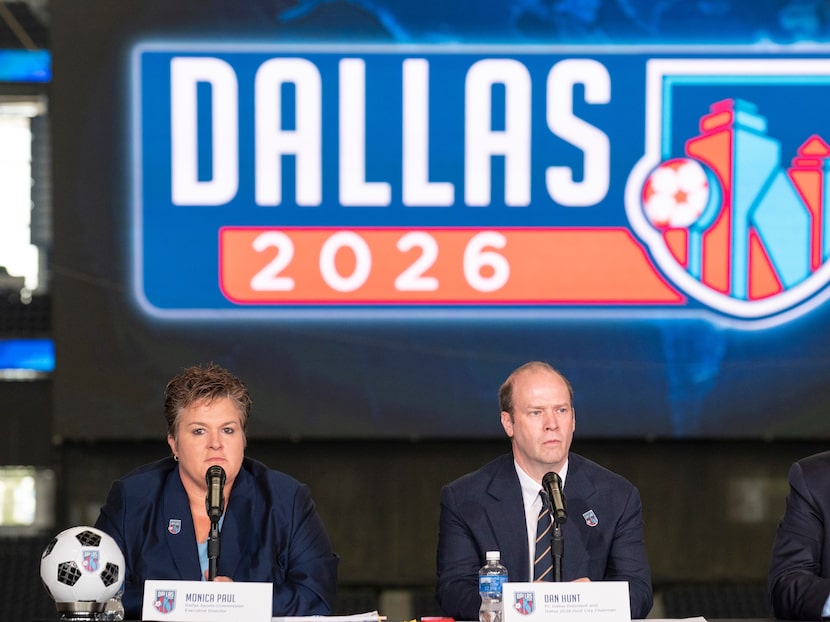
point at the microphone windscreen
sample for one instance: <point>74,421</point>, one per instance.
<point>215,471</point>
<point>552,484</point>
<point>551,479</point>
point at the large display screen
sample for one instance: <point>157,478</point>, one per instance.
<point>373,212</point>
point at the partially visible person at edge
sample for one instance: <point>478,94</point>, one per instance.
<point>270,531</point>
<point>496,507</point>
<point>799,575</point>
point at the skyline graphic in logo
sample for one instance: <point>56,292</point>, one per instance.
<point>91,559</point>
<point>524,602</point>
<point>590,518</point>
<point>165,601</point>
<point>732,216</point>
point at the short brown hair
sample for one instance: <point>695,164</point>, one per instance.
<point>506,389</point>
<point>199,384</point>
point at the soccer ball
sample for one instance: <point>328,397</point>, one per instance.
<point>82,564</point>
<point>676,193</point>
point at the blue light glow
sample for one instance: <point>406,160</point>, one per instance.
<point>25,66</point>
<point>27,354</point>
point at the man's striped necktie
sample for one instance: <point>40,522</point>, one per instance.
<point>542,563</point>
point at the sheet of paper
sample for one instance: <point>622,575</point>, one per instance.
<point>369,616</point>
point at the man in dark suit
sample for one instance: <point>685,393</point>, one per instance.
<point>494,508</point>
<point>799,576</point>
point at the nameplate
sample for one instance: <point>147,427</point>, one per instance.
<point>589,601</point>
<point>206,601</point>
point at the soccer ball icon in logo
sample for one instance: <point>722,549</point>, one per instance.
<point>676,193</point>
<point>82,568</point>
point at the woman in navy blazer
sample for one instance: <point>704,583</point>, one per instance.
<point>270,531</point>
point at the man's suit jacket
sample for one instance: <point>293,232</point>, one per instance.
<point>484,511</point>
<point>799,576</point>
<point>270,532</point>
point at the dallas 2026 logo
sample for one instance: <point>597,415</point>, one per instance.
<point>483,182</point>
<point>730,215</point>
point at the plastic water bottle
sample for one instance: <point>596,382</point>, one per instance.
<point>491,578</point>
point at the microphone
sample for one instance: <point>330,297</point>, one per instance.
<point>215,500</point>
<point>552,484</point>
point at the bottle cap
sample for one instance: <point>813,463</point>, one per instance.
<point>490,555</point>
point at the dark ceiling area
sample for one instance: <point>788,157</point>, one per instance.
<point>23,25</point>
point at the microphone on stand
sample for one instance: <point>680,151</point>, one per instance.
<point>552,484</point>
<point>215,500</point>
<point>215,506</point>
